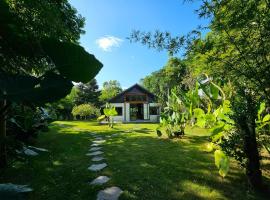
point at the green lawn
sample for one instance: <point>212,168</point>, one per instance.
<point>144,166</point>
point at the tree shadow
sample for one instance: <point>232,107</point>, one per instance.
<point>144,166</point>
<point>166,169</point>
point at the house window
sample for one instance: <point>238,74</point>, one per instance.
<point>119,111</point>
<point>154,110</point>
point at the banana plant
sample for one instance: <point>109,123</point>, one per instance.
<point>174,118</point>
<point>109,113</point>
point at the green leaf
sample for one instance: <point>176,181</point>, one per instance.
<point>266,118</point>
<point>222,162</point>
<point>214,92</point>
<point>101,118</point>
<point>72,60</point>
<point>217,129</point>
<point>15,84</point>
<point>209,147</point>
<point>261,109</point>
<point>48,88</point>
<point>52,87</point>
<point>200,115</point>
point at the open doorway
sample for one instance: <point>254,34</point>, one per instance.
<point>136,111</point>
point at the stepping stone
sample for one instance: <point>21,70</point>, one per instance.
<point>111,193</point>
<point>38,149</point>
<point>13,188</point>
<point>116,134</point>
<point>95,153</point>
<point>95,148</point>
<point>108,136</point>
<point>29,152</point>
<point>99,141</point>
<point>97,158</point>
<point>95,145</point>
<point>97,167</point>
<point>100,180</point>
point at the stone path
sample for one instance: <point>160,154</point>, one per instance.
<point>95,145</point>
<point>111,193</point>
<point>95,153</point>
<point>97,158</point>
<point>95,148</point>
<point>99,141</point>
<point>100,180</point>
<point>97,167</point>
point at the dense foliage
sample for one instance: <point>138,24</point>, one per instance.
<point>110,89</point>
<point>48,58</point>
<point>85,111</point>
<point>235,52</point>
<point>175,74</point>
<point>88,93</point>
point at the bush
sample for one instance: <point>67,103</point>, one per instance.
<point>85,111</point>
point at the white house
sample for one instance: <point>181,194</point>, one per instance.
<point>136,104</point>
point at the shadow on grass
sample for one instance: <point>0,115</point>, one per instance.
<point>152,168</point>
<point>144,166</point>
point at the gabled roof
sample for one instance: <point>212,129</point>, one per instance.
<point>130,88</point>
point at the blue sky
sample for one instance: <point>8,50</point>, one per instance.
<point>110,22</point>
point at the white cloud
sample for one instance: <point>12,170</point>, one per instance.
<point>108,42</point>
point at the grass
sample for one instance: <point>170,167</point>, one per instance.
<point>144,166</point>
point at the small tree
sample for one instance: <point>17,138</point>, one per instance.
<point>109,113</point>
<point>85,110</point>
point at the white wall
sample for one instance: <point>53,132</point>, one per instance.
<point>119,118</point>
<point>154,118</point>
<point>145,111</point>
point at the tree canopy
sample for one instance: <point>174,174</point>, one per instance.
<point>88,93</point>
<point>110,89</point>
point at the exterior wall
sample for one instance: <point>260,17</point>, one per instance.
<point>119,118</point>
<point>125,117</point>
<point>154,118</point>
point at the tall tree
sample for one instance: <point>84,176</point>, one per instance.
<point>88,93</point>
<point>175,74</point>
<point>110,89</point>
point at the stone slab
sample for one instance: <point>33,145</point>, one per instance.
<point>38,149</point>
<point>97,158</point>
<point>97,167</point>
<point>111,193</point>
<point>95,145</point>
<point>95,148</point>
<point>100,180</point>
<point>95,153</point>
<point>99,141</point>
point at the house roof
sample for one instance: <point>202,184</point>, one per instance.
<point>130,88</point>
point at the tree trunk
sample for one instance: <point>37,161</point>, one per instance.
<point>253,171</point>
<point>247,125</point>
<point>3,153</point>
